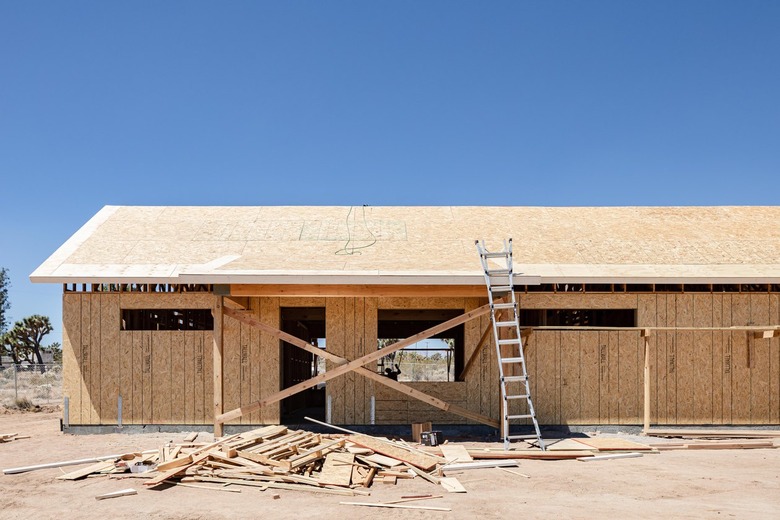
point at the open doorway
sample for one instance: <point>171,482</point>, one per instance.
<point>308,324</point>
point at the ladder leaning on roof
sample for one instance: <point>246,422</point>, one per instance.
<point>504,316</point>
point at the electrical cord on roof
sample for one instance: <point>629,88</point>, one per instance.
<point>354,250</point>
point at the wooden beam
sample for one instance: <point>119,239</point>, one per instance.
<point>357,290</point>
<point>217,357</point>
<point>767,334</point>
<point>236,302</point>
<point>352,365</point>
<point>400,387</point>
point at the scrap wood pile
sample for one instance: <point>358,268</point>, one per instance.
<point>271,457</point>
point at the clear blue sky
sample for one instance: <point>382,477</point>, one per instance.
<point>376,102</point>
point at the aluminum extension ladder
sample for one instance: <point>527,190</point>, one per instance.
<point>500,286</point>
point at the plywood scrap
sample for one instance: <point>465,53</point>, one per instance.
<point>116,494</point>
<point>452,485</point>
<point>455,453</point>
<point>567,445</point>
<point>337,469</point>
<point>191,437</point>
<point>98,467</point>
<point>382,460</point>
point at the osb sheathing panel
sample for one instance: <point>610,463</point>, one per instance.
<point>559,243</point>
<point>589,377</point>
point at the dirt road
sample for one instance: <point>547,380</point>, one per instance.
<point>672,484</point>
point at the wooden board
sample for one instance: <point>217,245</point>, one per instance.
<point>611,444</point>
<point>567,445</point>
<point>455,453</point>
<point>416,458</point>
<point>337,469</point>
<point>383,460</point>
<point>452,485</point>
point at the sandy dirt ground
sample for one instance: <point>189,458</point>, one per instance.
<point>671,484</point>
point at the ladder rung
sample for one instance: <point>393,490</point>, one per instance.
<point>522,416</point>
<point>521,396</point>
<point>503,305</point>
<point>512,360</point>
<point>500,288</point>
<point>505,324</point>
<point>519,437</point>
<point>510,341</point>
<point>497,272</point>
<point>496,254</point>
<point>512,379</point>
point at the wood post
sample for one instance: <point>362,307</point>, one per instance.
<point>646,336</point>
<point>217,356</point>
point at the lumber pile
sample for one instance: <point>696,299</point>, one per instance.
<point>271,457</point>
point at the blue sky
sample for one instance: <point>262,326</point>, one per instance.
<point>376,102</point>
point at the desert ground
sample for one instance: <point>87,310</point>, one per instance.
<point>669,484</point>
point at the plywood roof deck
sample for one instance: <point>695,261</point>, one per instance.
<point>418,245</point>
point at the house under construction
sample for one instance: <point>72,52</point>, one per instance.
<point>260,315</point>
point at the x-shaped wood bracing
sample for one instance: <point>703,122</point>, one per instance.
<point>356,365</point>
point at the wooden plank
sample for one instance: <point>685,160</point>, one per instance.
<point>396,506</point>
<point>347,367</point>
<point>72,379</point>
<point>117,494</point>
<point>452,485</point>
<point>217,365</point>
<point>613,444</point>
<point>702,359</point>
<point>455,453</point>
<point>383,460</point>
<point>110,358</point>
<point>571,392</point>
<point>759,362</point>
<point>87,470</point>
<point>482,464</point>
<point>590,370</point>
<point>661,366</point>
<point>357,290</point>
<point>337,469</point>
<point>416,458</point>
<point>595,458</point>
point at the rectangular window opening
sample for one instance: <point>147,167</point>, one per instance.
<point>167,319</point>
<point>439,358</point>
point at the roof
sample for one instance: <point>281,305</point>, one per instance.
<point>418,245</point>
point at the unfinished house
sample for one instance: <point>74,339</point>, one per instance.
<point>261,315</point>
